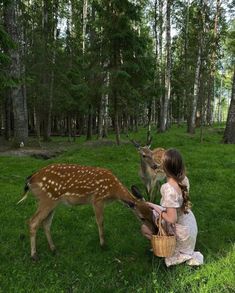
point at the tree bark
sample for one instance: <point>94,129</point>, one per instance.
<point>193,106</point>
<point>50,11</point>
<point>84,24</point>
<point>89,123</point>
<point>116,120</point>
<point>185,103</point>
<point>213,65</point>
<point>229,133</point>
<point>16,92</point>
<point>192,116</point>
<point>161,71</point>
<point>165,105</point>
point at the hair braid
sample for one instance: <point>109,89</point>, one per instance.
<point>185,194</point>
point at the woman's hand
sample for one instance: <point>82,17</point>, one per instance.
<point>155,207</point>
<point>150,204</point>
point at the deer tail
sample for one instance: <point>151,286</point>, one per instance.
<point>26,190</point>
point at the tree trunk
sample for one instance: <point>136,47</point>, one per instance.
<point>16,92</point>
<point>229,133</point>
<point>89,123</point>
<point>192,116</point>
<point>149,122</point>
<point>185,102</point>
<point>50,11</point>
<point>165,105</point>
<point>196,87</point>
<point>105,126</point>
<point>84,24</point>
<point>161,72</point>
<point>213,65</point>
<point>7,122</point>
<point>116,120</point>
<point>100,119</point>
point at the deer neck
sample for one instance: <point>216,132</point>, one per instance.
<point>145,167</point>
<point>125,195</point>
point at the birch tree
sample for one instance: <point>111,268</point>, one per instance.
<point>165,105</point>
<point>196,85</point>
<point>215,45</point>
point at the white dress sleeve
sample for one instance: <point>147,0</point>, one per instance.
<point>170,198</point>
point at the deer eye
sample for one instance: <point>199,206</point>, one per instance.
<point>144,156</point>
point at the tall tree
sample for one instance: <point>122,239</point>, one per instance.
<point>16,91</point>
<point>196,85</point>
<point>164,117</point>
<point>214,53</point>
<point>229,133</point>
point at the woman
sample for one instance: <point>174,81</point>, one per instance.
<point>175,208</point>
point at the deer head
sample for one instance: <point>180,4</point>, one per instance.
<point>150,165</point>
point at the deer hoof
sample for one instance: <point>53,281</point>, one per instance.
<point>53,251</point>
<point>34,257</point>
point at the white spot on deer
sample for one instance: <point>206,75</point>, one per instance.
<point>67,193</point>
<point>44,178</point>
<point>49,194</point>
<point>40,184</point>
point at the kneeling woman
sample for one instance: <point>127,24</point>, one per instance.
<point>175,209</point>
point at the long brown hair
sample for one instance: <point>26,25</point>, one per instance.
<point>173,166</point>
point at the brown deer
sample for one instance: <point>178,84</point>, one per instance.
<point>151,171</point>
<point>74,185</point>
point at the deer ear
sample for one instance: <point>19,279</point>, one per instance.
<point>136,192</point>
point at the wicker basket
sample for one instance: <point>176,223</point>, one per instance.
<point>163,244</point>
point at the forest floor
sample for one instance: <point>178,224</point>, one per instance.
<point>125,264</point>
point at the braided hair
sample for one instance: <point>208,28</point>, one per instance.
<point>173,166</point>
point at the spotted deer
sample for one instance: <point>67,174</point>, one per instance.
<point>75,185</point>
<point>150,171</point>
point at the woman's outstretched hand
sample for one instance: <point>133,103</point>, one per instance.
<point>155,207</point>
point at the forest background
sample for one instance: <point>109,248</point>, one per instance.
<point>89,67</point>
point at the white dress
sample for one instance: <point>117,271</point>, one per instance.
<point>186,228</point>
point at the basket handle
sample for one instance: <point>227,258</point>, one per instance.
<point>161,231</point>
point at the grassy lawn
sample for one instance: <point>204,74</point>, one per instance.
<point>125,264</point>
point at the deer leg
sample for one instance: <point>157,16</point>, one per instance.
<point>47,229</point>
<point>34,223</point>
<point>99,215</point>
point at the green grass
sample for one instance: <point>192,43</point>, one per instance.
<point>125,264</point>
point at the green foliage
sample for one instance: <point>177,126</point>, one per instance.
<point>5,44</point>
<point>126,264</point>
